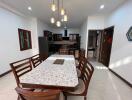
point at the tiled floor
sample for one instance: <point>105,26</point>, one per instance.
<point>103,86</point>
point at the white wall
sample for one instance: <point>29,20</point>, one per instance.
<point>92,22</point>
<point>96,22</point>
<point>41,27</point>
<point>70,31</point>
<point>83,34</point>
<point>9,41</point>
<point>121,55</point>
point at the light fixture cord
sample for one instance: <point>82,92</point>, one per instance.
<point>62,3</point>
<point>53,2</point>
<point>58,9</point>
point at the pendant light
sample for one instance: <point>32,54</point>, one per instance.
<point>58,12</point>
<point>58,23</point>
<point>52,20</point>
<point>65,18</point>
<point>62,9</point>
<point>53,6</point>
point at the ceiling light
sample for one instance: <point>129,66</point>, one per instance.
<point>58,24</point>
<point>102,7</point>
<point>65,18</point>
<point>30,8</point>
<point>52,20</point>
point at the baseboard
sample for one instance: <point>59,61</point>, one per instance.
<point>128,83</point>
<point>1,75</point>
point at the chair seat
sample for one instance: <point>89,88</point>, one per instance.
<point>79,89</point>
<point>45,90</point>
<point>78,72</point>
<point>38,90</point>
<point>39,94</point>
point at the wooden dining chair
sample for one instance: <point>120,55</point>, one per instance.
<point>38,94</point>
<point>82,52</point>
<point>64,51</point>
<point>71,51</point>
<point>20,68</point>
<point>80,67</point>
<point>77,53</point>
<point>90,66</point>
<point>84,80</point>
<point>81,55</point>
<point>36,60</point>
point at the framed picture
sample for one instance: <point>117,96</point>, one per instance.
<point>24,39</point>
<point>129,34</point>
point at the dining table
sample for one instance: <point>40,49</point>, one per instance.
<point>50,75</point>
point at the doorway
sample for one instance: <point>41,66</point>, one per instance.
<point>94,44</point>
<point>100,44</point>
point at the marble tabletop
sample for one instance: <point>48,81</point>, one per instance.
<point>48,73</point>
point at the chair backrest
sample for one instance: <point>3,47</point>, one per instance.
<point>20,68</point>
<point>81,53</point>
<point>82,63</point>
<point>86,75</point>
<point>91,68</point>
<point>36,60</point>
<point>63,51</point>
<point>43,95</point>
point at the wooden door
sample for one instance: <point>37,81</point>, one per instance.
<point>106,44</point>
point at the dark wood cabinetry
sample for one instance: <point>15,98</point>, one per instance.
<point>48,35</point>
<point>52,43</point>
<point>57,37</point>
<point>75,37</point>
<point>43,48</point>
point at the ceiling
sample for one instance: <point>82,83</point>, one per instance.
<point>77,10</point>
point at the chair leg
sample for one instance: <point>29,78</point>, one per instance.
<point>18,98</point>
<point>65,97</point>
<point>85,98</point>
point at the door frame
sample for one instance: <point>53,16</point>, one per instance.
<point>101,30</point>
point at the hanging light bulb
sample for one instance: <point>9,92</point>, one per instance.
<point>58,24</point>
<point>53,6</point>
<point>62,11</point>
<point>65,18</point>
<point>52,20</point>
